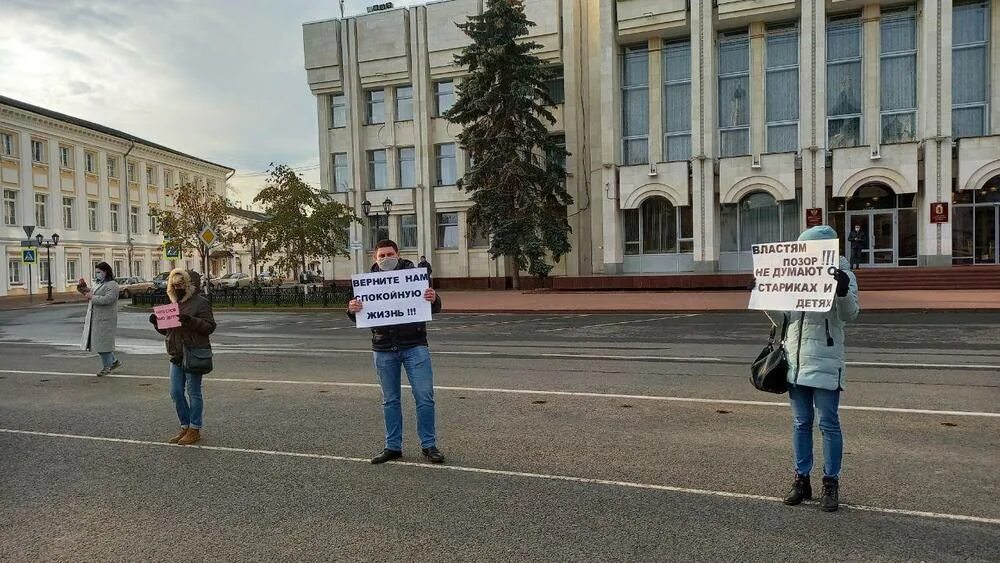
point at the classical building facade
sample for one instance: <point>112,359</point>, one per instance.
<point>696,128</point>
<point>71,177</point>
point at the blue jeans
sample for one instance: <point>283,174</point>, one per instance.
<point>805,401</point>
<point>107,358</point>
<point>417,361</point>
<point>189,409</point>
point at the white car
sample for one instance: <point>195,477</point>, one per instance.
<point>232,281</point>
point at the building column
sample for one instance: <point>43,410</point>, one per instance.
<point>655,139</point>
<point>758,106</point>
<point>703,121</point>
<point>54,190</point>
<point>871,104</point>
<point>610,111</point>
<point>26,204</point>
<point>79,194</point>
<point>4,274</point>
<point>994,54</point>
<point>812,107</point>
<point>934,240</point>
<point>580,259</point>
<point>423,150</point>
<point>103,193</point>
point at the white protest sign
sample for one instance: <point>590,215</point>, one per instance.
<point>392,298</point>
<point>795,276</point>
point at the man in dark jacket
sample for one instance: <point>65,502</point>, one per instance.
<point>394,347</point>
<point>859,242</point>
<point>425,264</point>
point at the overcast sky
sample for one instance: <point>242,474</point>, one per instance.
<point>220,79</point>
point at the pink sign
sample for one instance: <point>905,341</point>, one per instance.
<point>167,316</point>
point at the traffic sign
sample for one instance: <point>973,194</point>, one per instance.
<point>208,236</point>
<point>355,245</point>
<point>31,243</point>
<point>171,251</point>
<point>28,229</point>
<point>28,255</point>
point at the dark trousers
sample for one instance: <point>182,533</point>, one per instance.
<point>856,254</point>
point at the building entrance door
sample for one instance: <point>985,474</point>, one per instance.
<point>987,234</point>
<point>881,227</point>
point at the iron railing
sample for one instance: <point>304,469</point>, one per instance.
<point>299,296</point>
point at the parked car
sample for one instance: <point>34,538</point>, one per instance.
<point>268,279</point>
<point>232,281</point>
<point>134,286</point>
<point>310,277</point>
<point>160,282</point>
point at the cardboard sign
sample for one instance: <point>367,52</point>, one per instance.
<point>392,298</point>
<point>939,212</point>
<point>168,316</point>
<point>795,276</point>
<point>814,217</point>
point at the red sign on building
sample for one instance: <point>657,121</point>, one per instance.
<point>939,212</point>
<point>814,217</point>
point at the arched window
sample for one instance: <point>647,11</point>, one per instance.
<point>758,218</point>
<point>658,227</point>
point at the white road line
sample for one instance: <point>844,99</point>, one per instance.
<point>507,473</point>
<point>677,316</point>
<point>500,390</point>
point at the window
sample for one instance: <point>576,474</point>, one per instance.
<point>166,179</point>
<point>65,157</point>
<point>477,237</point>
<point>41,211</point>
<point>9,208</point>
<point>447,230</point>
<point>14,272</point>
<point>37,151</point>
<point>153,226</point>
<point>68,204</point>
<point>43,271</point>
<point>377,170</point>
<point>555,85</point>
<point>782,88</point>
<point>446,172</point>
<point>7,144</point>
<point>338,111</point>
<point>119,268</point>
<point>404,103</point>
<point>970,69</point>
<point>658,227</point>
<point>137,268</point>
<point>734,94</point>
<point>92,215</point>
<point>115,227</point>
<point>374,107</point>
<point>677,101</point>
<point>635,106</point>
<point>150,176</point>
<point>378,229</point>
<point>899,70</point>
<point>133,219</point>
<point>71,269</point>
<point>843,82</point>
<point>758,218</point>
<point>90,162</point>
<point>112,167</point>
<point>130,167</point>
<point>340,179</point>
<point>444,97</point>
<point>408,231</point>
<point>406,157</point>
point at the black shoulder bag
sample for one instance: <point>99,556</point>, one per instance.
<point>769,372</point>
<point>197,360</point>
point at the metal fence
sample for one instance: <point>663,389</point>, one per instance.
<point>299,296</point>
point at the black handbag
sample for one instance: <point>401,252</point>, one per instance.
<point>197,360</point>
<point>769,372</point>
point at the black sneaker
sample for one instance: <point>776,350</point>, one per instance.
<point>831,495</point>
<point>115,365</point>
<point>801,490</point>
<point>103,372</point>
<point>434,455</point>
<point>386,455</point>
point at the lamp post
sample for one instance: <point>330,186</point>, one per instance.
<point>48,244</point>
<point>366,207</point>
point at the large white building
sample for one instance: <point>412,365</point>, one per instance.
<point>70,177</point>
<point>696,128</point>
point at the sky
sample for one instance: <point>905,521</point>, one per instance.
<point>222,80</point>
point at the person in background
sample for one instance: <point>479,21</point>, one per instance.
<point>859,242</point>
<point>197,325</point>
<point>101,323</point>
<point>815,347</point>
<point>425,264</point>
<point>397,346</point>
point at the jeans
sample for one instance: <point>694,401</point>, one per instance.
<point>107,358</point>
<point>417,361</point>
<point>189,409</point>
<point>805,401</point>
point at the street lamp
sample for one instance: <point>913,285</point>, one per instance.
<point>366,206</point>
<point>48,244</point>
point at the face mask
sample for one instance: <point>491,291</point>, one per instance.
<point>857,228</point>
<point>99,277</point>
<point>388,263</point>
<point>180,293</point>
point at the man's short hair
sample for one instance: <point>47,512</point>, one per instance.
<point>385,243</point>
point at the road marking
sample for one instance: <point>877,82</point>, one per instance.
<point>506,473</point>
<point>678,316</point>
<point>500,390</point>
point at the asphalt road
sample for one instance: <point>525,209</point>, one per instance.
<point>568,437</point>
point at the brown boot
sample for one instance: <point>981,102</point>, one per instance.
<point>178,437</point>
<point>191,436</point>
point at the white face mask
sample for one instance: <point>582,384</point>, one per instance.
<point>388,263</point>
<point>99,276</point>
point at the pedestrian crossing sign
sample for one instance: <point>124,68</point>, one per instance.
<point>28,255</point>
<point>171,250</point>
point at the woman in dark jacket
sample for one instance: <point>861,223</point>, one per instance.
<point>197,324</point>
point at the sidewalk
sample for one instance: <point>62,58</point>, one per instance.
<point>12,302</point>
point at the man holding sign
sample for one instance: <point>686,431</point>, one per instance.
<point>394,301</point>
<point>807,287</point>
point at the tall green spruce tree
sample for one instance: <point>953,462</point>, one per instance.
<point>517,179</point>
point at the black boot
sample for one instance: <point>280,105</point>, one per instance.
<point>801,490</point>
<point>831,495</point>
<point>386,455</point>
<point>434,455</point>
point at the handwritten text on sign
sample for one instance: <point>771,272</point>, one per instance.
<point>392,298</point>
<point>167,316</point>
<point>795,276</point>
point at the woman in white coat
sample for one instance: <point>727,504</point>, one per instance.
<point>101,322</point>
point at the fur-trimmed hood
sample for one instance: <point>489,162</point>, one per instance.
<point>179,277</point>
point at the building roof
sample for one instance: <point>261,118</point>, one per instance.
<point>247,214</point>
<point>100,129</point>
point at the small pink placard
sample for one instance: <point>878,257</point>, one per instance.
<point>168,316</point>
